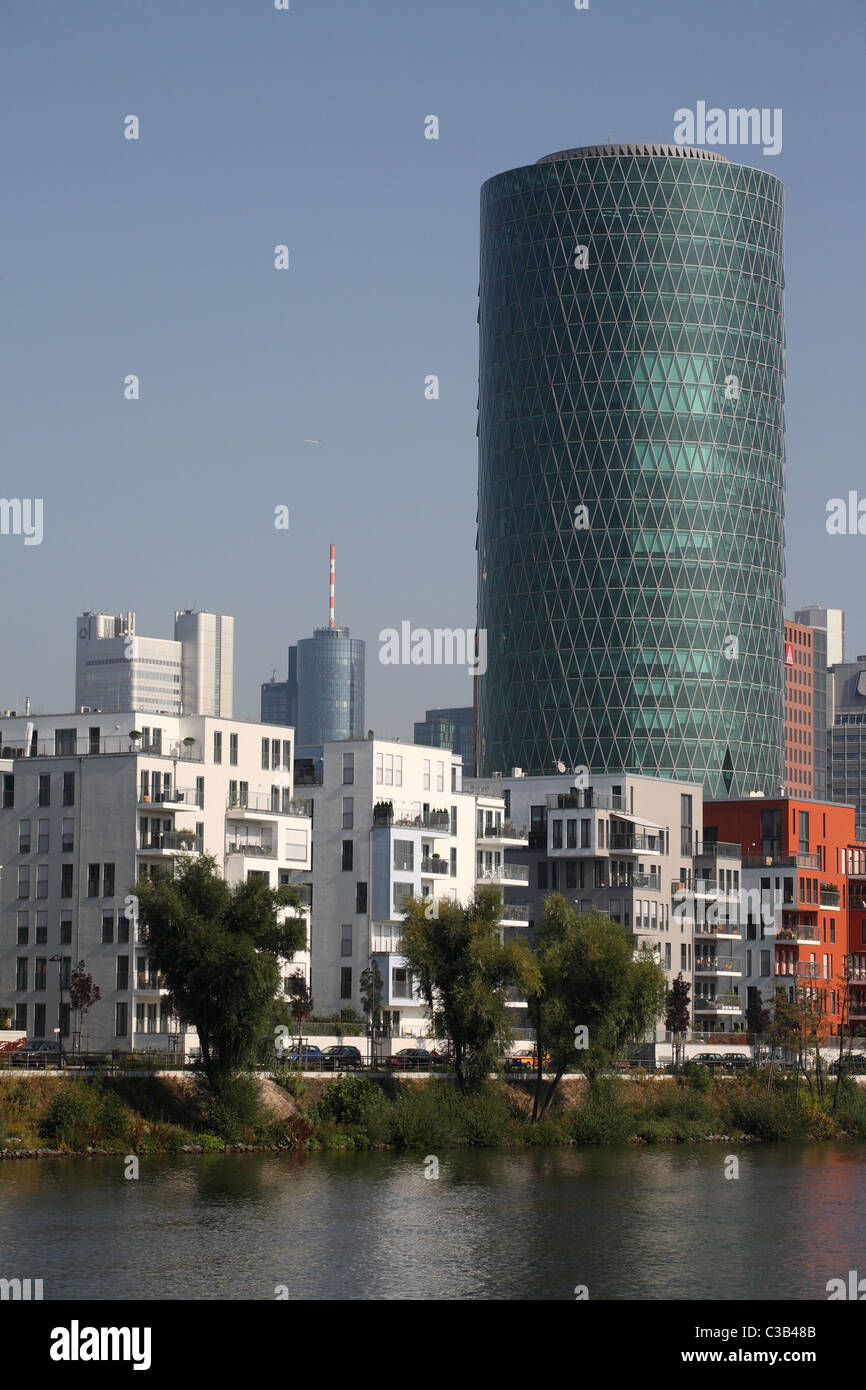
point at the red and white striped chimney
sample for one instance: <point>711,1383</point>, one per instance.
<point>331,599</point>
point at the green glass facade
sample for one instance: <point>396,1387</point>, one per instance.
<point>631,467</point>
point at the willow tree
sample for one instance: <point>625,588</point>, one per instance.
<point>219,946</point>
<point>463,970</point>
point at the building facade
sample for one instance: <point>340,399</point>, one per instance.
<point>801,733</point>
<point>331,678</point>
<point>847,738</point>
<point>279,700</point>
<point>87,809</point>
<point>449,728</point>
<point>118,670</point>
<point>631,467</point>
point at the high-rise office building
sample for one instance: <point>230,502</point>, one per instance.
<point>832,622</point>
<point>800,726</point>
<point>847,738</point>
<point>116,669</point>
<point>631,467</point>
<point>827,626</point>
<point>330,681</point>
<point>279,701</point>
<point>449,728</point>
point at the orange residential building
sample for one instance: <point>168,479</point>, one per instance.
<point>797,860</point>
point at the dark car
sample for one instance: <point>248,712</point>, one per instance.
<point>412,1059</point>
<point>735,1061</point>
<point>342,1058</point>
<point>853,1065</point>
<point>38,1054</point>
<point>713,1060</point>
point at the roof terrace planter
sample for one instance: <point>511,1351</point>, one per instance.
<point>383,814</point>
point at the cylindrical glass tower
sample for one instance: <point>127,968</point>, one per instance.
<point>330,686</point>
<point>631,467</point>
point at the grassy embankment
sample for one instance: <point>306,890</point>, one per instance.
<point>174,1114</point>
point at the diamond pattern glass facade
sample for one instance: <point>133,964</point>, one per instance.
<point>631,467</point>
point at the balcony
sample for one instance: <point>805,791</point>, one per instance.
<point>717,1004</point>
<point>586,800</point>
<point>261,805</point>
<point>433,866</point>
<point>716,849</point>
<point>509,835</point>
<point>255,849</point>
<point>801,934</point>
<point>634,844</point>
<point>386,943</point>
<point>172,842</point>
<point>717,965</point>
<point>387,816</point>
<point>829,898</point>
<point>171,801</point>
<point>148,982</point>
<point>781,861</point>
<point>514,913</point>
<point>504,873</point>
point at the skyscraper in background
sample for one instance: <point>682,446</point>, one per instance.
<point>279,703</point>
<point>631,467</point>
<point>116,669</point>
<point>827,626</point>
<point>448,728</point>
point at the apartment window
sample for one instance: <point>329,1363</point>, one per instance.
<point>554,876</point>
<point>542,873</point>
<point>122,972</point>
<point>584,832</point>
<point>765,962</point>
<point>121,1019</point>
<point>122,927</point>
<point>23,928</point>
<point>287,753</point>
<point>346,939</point>
<point>68,789</point>
<point>66,880</point>
<point>64,743</point>
<point>266,752</point>
<point>108,878</point>
<point>41,973</point>
<point>346,982</point>
<point>360,897</point>
<point>275,752</point>
<point>39,1020</point>
<point>66,928</point>
<point>217,746</point>
<point>348,769</point>
<point>67,835</point>
<point>93,740</point>
<point>45,789</point>
<point>404,856</point>
<point>24,837</point>
<point>803,829</point>
<point>453,863</point>
<point>400,892</point>
<point>398,770</point>
<point>348,812</point>
<point>42,841</point>
<point>199,791</point>
<point>348,855</point>
<point>686,824</point>
<point>401,982</point>
<point>233,750</point>
<point>440,777</point>
<point>571,833</point>
<point>92,880</point>
<point>107,927</point>
<point>379,768</point>
<point>42,881</point>
<point>24,880</point>
<point>557,834</point>
<point>667,955</point>
<point>426,774</point>
<point>20,1022</point>
<point>389,769</point>
<point>21,972</point>
<point>570,874</point>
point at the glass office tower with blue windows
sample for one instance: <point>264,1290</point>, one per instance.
<point>330,674</point>
<point>631,467</point>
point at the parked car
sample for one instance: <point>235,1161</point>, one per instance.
<point>412,1059</point>
<point>342,1058</point>
<point>525,1059</point>
<point>737,1061</point>
<point>39,1054</point>
<point>853,1065</point>
<point>715,1061</point>
<point>309,1055</point>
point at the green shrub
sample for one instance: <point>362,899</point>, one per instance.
<point>852,1109</point>
<point>482,1115</point>
<point>209,1142</point>
<point>293,1132</point>
<point>699,1078</point>
<point>113,1116</point>
<point>774,1117</point>
<point>544,1134</point>
<point>73,1116</point>
<point>236,1110</point>
<point>425,1116</point>
<point>353,1101</point>
<point>603,1117</point>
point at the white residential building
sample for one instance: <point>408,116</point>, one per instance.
<point>391,820</point>
<point>89,804</point>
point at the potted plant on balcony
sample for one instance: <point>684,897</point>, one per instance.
<point>439,819</point>
<point>383,813</point>
<point>189,743</point>
<point>186,838</point>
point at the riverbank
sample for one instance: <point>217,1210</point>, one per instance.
<point>57,1116</point>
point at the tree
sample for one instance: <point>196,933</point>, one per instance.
<point>83,993</point>
<point>758,1018</point>
<point>300,1001</point>
<point>596,994</point>
<point>372,989</point>
<point>463,970</point>
<point>219,947</point>
<point>677,1016</point>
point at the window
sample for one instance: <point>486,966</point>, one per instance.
<point>346,982</point>
<point>398,770</point>
<point>92,880</point>
<point>275,753</point>
<point>686,824</point>
<point>45,789</point>
<point>21,1017</point>
<point>803,829</point>
<point>65,929</point>
<point>348,776</point>
<point>39,1020</point>
<point>404,856</point>
<point>233,750</point>
<point>360,897</point>
<point>266,752</point>
<point>8,789</point>
<point>66,880</point>
<point>401,892</point>
<point>121,1020</point>
<point>557,834</point>
<point>107,927</point>
<point>571,833</point>
<point>122,972</point>
<point>108,880</point>
<point>42,881</point>
<point>584,832</point>
<point>122,927</point>
<point>554,876</point>
<point>68,789</point>
<point>346,939</point>
<point>64,743</point>
<point>401,982</point>
<point>389,769</point>
<point>217,746</point>
<point>67,835</point>
<point>426,774</point>
<point>667,955</point>
<point>347,855</point>
<point>21,972</point>
<point>348,812</point>
<point>440,777</point>
<point>379,767</point>
<point>771,834</point>
<point>41,972</point>
<point>24,837</point>
<point>570,874</point>
<point>453,864</point>
<point>765,962</point>
<point>93,740</point>
<point>23,928</point>
<point>542,873</point>
<point>24,880</point>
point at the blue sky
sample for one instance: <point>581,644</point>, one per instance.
<point>306,127</point>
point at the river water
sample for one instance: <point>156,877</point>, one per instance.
<point>633,1223</point>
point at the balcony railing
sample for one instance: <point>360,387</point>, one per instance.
<point>181,796</point>
<point>717,929</point>
<point>502,832</point>
<point>515,912</point>
<point>635,843</point>
<point>519,873</point>
<point>716,849</point>
<point>172,840</point>
<point>82,747</point>
<point>148,980</point>
<point>781,861</point>
<point>829,897</point>
<point>587,799</point>
<point>798,934</point>
<point>260,801</point>
<point>434,865</point>
<point>259,849</point>
<point>708,1004</point>
<point>411,818</point>
<point>716,965</point>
